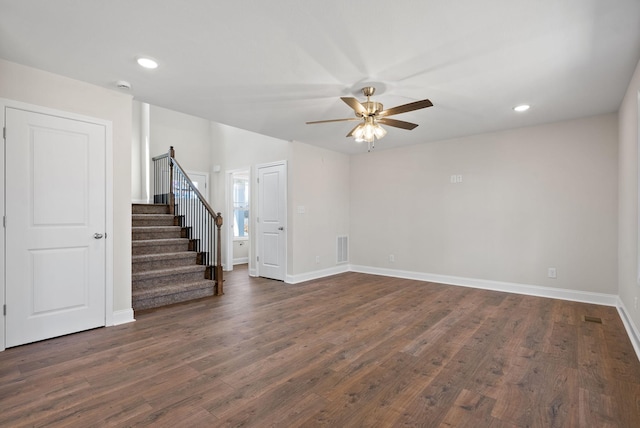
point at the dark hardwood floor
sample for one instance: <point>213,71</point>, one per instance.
<point>347,351</point>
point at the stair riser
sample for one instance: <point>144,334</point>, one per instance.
<point>142,222</point>
<point>160,249</point>
<point>156,234</point>
<point>170,279</point>
<point>155,302</point>
<point>149,209</point>
<point>145,266</point>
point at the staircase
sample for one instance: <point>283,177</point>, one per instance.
<point>164,269</point>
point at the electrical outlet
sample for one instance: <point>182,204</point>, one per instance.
<point>317,259</point>
<point>635,303</point>
<point>551,273</point>
<point>392,258</point>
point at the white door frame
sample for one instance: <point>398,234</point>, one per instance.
<point>256,204</point>
<point>4,103</point>
<point>227,261</point>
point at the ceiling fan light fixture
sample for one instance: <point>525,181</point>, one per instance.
<point>379,131</point>
<point>369,131</point>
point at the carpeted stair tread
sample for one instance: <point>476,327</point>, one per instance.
<point>139,220</point>
<point>172,289</point>
<point>149,209</point>
<point>163,256</point>
<point>147,262</point>
<point>158,273</point>
<point>163,241</point>
<point>170,294</point>
<point>143,233</point>
<point>155,228</point>
<point>151,215</point>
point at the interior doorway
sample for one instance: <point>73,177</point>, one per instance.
<point>239,214</point>
<point>56,224</point>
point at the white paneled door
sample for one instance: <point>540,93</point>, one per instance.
<point>272,209</point>
<point>201,181</point>
<point>55,226</point>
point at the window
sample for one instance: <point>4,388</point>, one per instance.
<point>240,207</point>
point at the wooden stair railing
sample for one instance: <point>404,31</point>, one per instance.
<point>173,187</point>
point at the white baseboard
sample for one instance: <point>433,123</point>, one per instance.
<point>530,290</point>
<point>308,276</point>
<point>139,201</point>
<point>123,317</point>
<point>632,329</point>
<point>241,261</point>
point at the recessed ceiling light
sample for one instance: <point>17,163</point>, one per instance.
<point>147,63</point>
<point>521,108</point>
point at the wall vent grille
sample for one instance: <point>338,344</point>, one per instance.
<point>342,249</point>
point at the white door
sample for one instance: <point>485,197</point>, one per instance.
<point>272,216</point>
<point>201,181</point>
<point>55,226</point>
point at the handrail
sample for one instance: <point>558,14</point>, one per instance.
<point>194,213</point>
<point>195,190</point>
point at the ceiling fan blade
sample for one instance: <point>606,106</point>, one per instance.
<point>350,134</point>
<point>351,119</point>
<point>355,104</point>
<point>397,123</point>
<point>417,105</point>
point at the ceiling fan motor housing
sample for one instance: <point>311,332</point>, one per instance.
<point>372,107</point>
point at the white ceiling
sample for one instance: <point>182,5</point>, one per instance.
<point>270,66</point>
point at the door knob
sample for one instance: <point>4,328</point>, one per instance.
<point>281,228</point>
<point>98,235</point>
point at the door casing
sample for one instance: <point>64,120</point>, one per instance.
<point>6,103</point>
<point>258,237</point>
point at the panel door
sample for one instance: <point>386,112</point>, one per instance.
<point>55,226</point>
<point>201,181</point>
<point>272,205</point>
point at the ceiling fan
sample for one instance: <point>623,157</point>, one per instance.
<point>371,115</point>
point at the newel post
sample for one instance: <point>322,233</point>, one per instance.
<point>218,268</point>
<point>172,201</point>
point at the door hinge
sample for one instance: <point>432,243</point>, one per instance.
<point>258,180</point>
<point>4,310</point>
<point>4,221</point>
<point>4,133</point>
<point>258,258</point>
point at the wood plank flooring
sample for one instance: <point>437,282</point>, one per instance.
<point>352,350</point>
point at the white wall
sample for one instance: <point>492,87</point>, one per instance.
<point>240,250</point>
<point>319,183</point>
<point>138,193</point>
<point>530,199</point>
<point>629,117</point>
<point>190,137</point>
<point>40,88</point>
